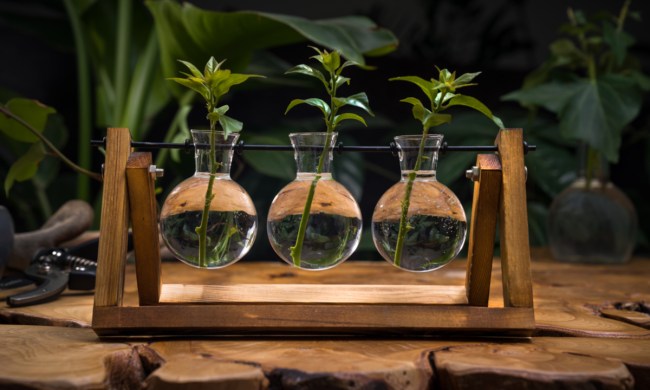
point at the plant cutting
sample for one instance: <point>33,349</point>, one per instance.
<point>434,232</point>
<point>595,88</point>
<point>212,84</point>
<point>345,217</point>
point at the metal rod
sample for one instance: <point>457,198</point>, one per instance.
<point>340,148</point>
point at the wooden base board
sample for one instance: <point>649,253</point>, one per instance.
<point>313,293</point>
<point>271,318</point>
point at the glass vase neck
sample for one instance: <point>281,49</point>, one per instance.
<point>308,152</point>
<point>410,147</point>
<point>223,151</point>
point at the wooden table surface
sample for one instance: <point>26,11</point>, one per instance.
<point>592,331</point>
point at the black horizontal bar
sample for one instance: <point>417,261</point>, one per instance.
<point>241,146</point>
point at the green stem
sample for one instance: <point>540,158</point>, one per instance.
<point>620,22</point>
<point>122,51</point>
<point>83,85</point>
<point>296,249</point>
<point>50,145</point>
<point>202,229</point>
<point>593,161</point>
<point>404,227</point>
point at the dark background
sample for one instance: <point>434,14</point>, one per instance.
<point>505,39</point>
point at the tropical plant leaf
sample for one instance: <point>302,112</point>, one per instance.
<point>309,71</point>
<point>552,96</point>
<point>31,111</point>
<point>472,102</point>
<point>598,111</point>
<point>188,32</point>
<point>349,116</point>
<point>315,102</point>
<point>425,86</point>
<point>230,125</point>
<point>25,167</point>
<point>619,41</point>
<point>359,100</point>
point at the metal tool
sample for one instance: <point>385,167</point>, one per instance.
<point>53,270</point>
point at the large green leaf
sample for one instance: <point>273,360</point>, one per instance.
<point>32,112</point>
<point>598,111</point>
<point>359,100</point>
<point>195,34</point>
<point>552,96</point>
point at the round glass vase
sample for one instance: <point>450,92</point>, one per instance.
<point>435,224</point>
<point>232,218</point>
<point>332,229</point>
<point>592,221</point>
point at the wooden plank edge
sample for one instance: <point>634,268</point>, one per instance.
<point>266,319</point>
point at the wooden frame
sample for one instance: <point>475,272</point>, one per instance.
<point>499,196</point>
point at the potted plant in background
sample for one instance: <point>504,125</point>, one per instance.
<point>419,224</point>
<point>314,222</point>
<point>595,88</point>
<point>208,220</point>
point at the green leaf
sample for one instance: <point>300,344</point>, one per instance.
<point>212,67</point>
<point>195,71</point>
<point>191,33</point>
<point>348,116</point>
<point>552,96</point>
<point>425,86</point>
<point>465,79</point>
<point>230,125</point>
<point>25,167</point>
<point>419,111</point>
<point>433,119</point>
<point>619,41</point>
<point>472,102</point>
<point>324,107</point>
<point>359,100</point>
<point>32,112</point>
<point>309,71</point>
<point>194,85</point>
<point>599,110</point>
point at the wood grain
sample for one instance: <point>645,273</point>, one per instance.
<point>526,366</point>
<point>144,222</point>
<point>513,221</point>
<point>305,319</point>
<point>114,223</point>
<point>485,209</point>
<point>38,357</point>
<point>314,293</point>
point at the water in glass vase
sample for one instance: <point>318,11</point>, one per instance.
<point>229,234</point>
<point>430,243</point>
<point>328,238</point>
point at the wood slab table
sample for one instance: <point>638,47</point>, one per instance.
<point>592,332</point>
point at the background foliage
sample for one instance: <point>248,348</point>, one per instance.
<point>505,39</point>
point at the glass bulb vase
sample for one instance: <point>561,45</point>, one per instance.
<point>232,218</point>
<point>434,225</point>
<point>332,228</point>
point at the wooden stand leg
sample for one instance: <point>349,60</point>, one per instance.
<point>485,205</point>
<point>513,221</point>
<point>144,224</point>
<point>114,225</point>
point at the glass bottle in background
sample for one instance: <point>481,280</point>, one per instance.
<point>333,227</point>
<point>232,220</point>
<point>592,221</point>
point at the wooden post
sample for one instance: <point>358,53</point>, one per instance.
<point>513,221</point>
<point>114,224</point>
<point>485,206</point>
<point>144,224</point>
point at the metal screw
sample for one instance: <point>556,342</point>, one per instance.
<point>473,173</point>
<point>158,171</point>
